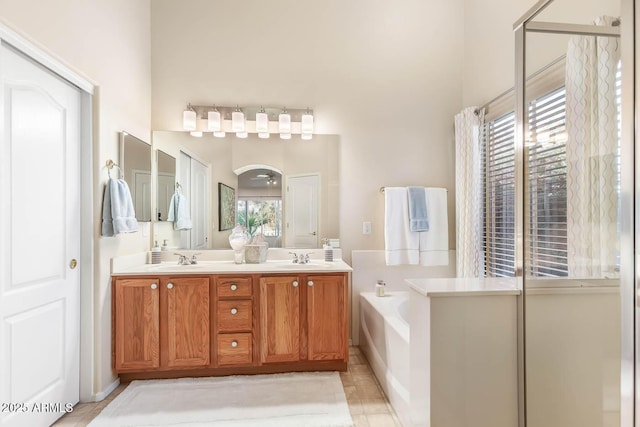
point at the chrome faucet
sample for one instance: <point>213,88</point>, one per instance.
<point>184,260</point>
<point>300,258</point>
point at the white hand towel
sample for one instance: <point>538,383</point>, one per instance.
<point>118,215</point>
<point>434,244</point>
<point>179,212</point>
<point>401,245</point>
<point>107,219</point>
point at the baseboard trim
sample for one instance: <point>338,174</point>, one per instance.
<point>101,395</point>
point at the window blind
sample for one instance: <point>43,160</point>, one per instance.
<point>547,186</point>
<point>498,174</point>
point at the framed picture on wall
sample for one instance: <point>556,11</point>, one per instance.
<point>226,207</point>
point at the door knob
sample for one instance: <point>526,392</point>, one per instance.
<point>234,344</point>
<point>169,285</point>
<point>73,263</point>
<point>234,311</point>
<point>234,287</point>
<point>310,283</point>
<point>313,234</point>
<point>295,283</point>
<point>154,286</point>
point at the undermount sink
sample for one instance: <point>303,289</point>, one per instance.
<point>174,267</point>
<point>288,265</point>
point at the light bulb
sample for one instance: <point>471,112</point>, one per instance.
<point>189,118</point>
<point>262,122</point>
<point>237,121</point>
<point>214,121</point>
<point>285,136</point>
<point>307,123</point>
<point>219,134</point>
<point>284,122</point>
<point>197,134</point>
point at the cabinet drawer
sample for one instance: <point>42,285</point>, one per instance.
<point>234,315</point>
<point>234,349</point>
<point>234,287</point>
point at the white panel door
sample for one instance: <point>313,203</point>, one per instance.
<point>166,188</point>
<point>302,211</point>
<point>39,238</point>
<point>184,179</point>
<point>199,205</point>
<point>142,201</point>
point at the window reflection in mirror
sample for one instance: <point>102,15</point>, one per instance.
<point>166,183</point>
<point>135,162</point>
<point>260,204</point>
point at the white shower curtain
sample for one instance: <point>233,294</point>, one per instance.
<point>592,154</point>
<point>469,196</point>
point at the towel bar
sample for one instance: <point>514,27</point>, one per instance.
<point>110,165</point>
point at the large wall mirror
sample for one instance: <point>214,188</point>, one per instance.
<point>135,161</point>
<point>290,187</point>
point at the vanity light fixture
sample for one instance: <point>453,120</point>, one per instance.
<point>246,120</point>
<point>284,123</point>
<point>262,123</point>
<point>189,117</point>
<point>306,125</point>
<point>214,120</point>
<point>237,120</point>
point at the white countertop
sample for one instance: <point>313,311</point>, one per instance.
<point>465,286</point>
<point>229,267</point>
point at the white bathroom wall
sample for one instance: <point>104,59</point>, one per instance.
<point>108,41</point>
<point>385,76</point>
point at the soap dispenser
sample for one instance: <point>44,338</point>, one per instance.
<point>328,251</point>
<point>156,254</point>
<point>165,246</point>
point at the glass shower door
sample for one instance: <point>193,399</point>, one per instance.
<point>571,186</point>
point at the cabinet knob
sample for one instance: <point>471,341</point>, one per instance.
<point>169,285</point>
<point>154,286</point>
<point>295,283</point>
<point>310,283</point>
<point>234,344</point>
<point>234,287</point>
<point>234,311</point>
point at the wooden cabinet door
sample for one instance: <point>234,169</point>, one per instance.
<point>136,324</point>
<point>326,317</point>
<point>280,319</point>
<point>187,321</point>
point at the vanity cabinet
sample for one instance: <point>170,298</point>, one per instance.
<point>280,321</point>
<point>184,308</point>
<point>136,324</point>
<point>161,323</point>
<point>173,325</point>
<point>304,317</point>
<point>234,314</point>
<point>327,324</point>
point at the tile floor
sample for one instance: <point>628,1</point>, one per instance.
<point>368,405</point>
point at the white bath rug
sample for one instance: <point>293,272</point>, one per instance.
<point>313,399</point>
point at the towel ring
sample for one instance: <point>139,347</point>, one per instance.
<point>110,165</point>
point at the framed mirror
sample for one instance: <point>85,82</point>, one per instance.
<point>135,161</point>
<point>166,183</point>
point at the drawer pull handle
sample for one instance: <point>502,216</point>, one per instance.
<point>234,311</point>
<point>295,283</point>
<point>234,344</point>
<point>154,286</point>
<point>169,285</point>
<point>310,283</point>
<point>234,287</point>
